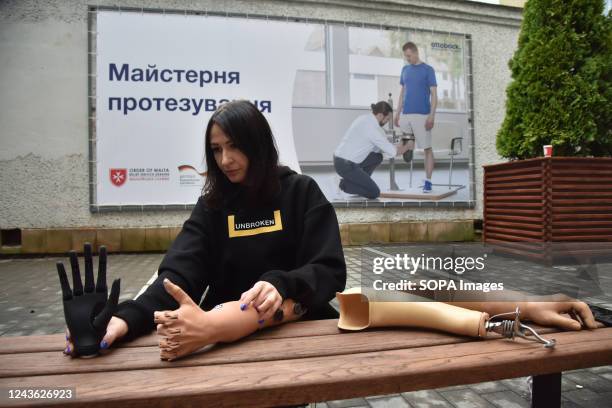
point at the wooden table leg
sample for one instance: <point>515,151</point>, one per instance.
<point>546,391</point>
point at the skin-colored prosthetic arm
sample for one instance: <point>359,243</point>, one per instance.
<point>189,328</point>
<point>361,308</point>
<point>554,310</point>
<point>359,311</point>
<point>550,310</point>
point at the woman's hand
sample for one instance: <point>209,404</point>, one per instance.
<point>551,314</point>
<point>264,297</point>
<point>116,329</point>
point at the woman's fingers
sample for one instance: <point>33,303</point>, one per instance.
<point>69,347</point>
<point>250,295</point>
<point>275,306</point>
<point>268,301</point>
<point>116,329</point>
<point>267,290</point>
<point>69,350</point>
<point>263,296</point>
<point>265,299</point>
<point>269,306</point>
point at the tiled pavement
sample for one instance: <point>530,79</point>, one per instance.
<point>30,305</point>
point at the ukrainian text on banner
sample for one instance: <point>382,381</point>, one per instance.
<point>159,79</point>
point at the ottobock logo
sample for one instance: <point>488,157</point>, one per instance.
<point>118,176</point>
<point>445,46</point>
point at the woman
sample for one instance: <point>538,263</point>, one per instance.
<point>261,236</point>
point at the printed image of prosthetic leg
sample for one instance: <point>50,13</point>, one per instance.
<point>361,309</point>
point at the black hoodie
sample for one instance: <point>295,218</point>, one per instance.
<point>293,243</point>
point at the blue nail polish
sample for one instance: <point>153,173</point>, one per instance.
<point>242,306</point>
<point>104,345</point>
<point>260,321</point>
<point>66,337</point>
<point>67,349</point>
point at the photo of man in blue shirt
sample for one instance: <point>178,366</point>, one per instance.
<point>417,105</point>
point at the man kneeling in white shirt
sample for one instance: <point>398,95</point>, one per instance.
<point>361,151</point>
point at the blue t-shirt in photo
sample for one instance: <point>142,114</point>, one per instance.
<point>417,79</point>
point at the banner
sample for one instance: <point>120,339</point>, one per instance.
<point>159,79</point>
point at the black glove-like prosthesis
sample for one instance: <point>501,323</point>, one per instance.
<point>87,310</point>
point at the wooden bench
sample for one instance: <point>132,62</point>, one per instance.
<point>296,363</point>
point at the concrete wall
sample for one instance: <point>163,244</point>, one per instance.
<point>43,92</point>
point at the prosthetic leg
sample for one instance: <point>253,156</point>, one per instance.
<point>359,311</point>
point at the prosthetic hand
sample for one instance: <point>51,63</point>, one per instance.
<point>87,310</point>
<point>189,328</point>
<point>359,311</point>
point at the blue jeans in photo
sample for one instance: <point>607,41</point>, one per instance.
<point>356,177</point>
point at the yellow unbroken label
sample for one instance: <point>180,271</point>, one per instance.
<point>246,229</point>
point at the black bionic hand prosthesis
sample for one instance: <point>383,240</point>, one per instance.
<point>87,310</point>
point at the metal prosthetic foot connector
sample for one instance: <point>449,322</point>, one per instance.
<point>511,328</point>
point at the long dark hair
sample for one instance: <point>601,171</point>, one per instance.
<point>250,132</point>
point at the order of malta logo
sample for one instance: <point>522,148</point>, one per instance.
<point>118,176</point>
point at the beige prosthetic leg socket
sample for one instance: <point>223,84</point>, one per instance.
<point>359,311</point>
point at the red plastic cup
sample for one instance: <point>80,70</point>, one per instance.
<point>547,150</point>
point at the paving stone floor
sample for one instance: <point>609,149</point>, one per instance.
<point>30,305</point>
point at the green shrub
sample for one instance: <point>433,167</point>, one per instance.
<point>561,92</point>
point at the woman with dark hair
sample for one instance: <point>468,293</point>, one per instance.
<point>361,151</point>
<point>250,133</point>
<point>262,238</point>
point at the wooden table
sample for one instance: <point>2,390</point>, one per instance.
<point>296,363</point>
